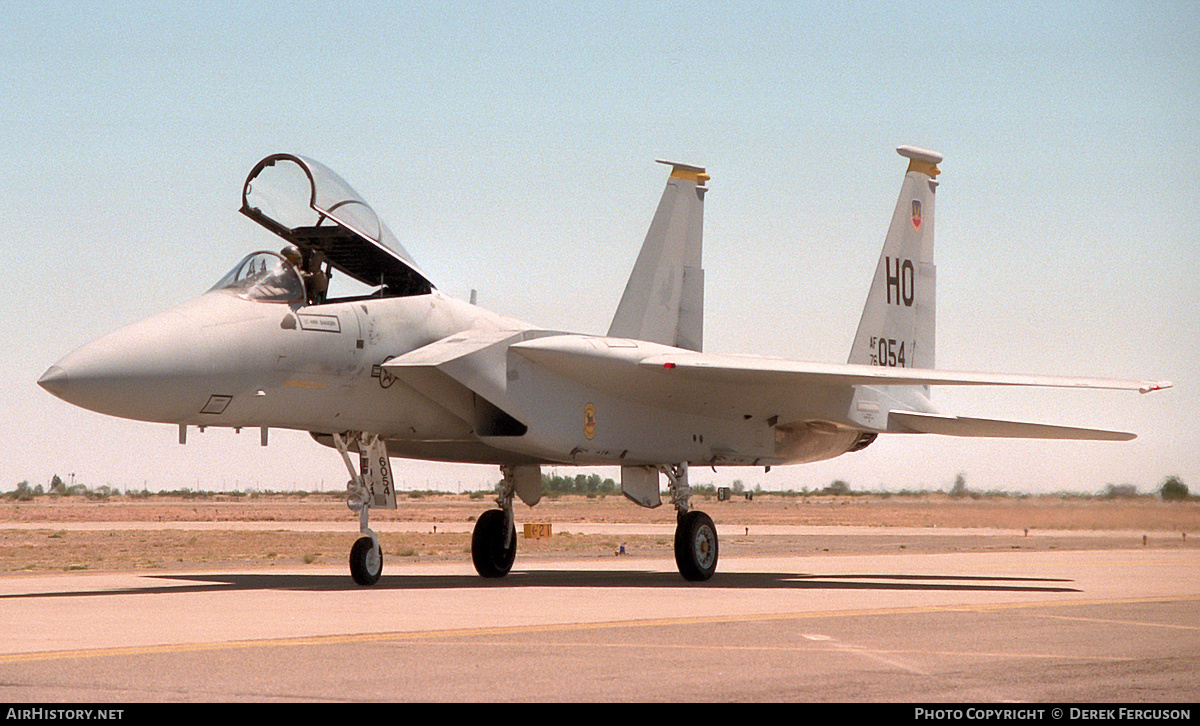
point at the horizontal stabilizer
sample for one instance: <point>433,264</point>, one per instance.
<point>930,423</point>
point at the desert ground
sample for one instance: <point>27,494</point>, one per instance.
<point>170,533</point>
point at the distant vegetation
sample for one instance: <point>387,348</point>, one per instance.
<point>587,485</point>
<point>57,489</point>
<point>1173,490</point>
<point>592,485</point>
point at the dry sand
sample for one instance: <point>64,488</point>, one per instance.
<point>156,533</point>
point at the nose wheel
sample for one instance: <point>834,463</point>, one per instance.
<point>366,561</point>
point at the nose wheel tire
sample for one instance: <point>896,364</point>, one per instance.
<point>488,551</point>
<point>696,546</point>
<point>366,562</point>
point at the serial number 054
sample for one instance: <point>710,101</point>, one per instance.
<point>889,352</point>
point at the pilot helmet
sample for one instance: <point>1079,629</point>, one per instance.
<point>291,253</point>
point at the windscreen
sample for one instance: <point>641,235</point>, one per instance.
<point>264,277</point>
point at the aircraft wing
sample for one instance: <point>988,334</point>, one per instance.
<point>790,391</point>
<point>465,374</point>
<point>753,368</point>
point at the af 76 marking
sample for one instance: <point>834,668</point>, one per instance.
<point>890,353</point>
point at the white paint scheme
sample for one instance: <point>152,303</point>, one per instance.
<point>441,379</point>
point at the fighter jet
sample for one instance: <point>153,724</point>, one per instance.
<point>403,370</point>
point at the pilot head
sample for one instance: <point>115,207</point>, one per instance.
<point>291,253</point>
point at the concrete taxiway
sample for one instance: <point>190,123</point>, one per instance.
<point>1077,626</point>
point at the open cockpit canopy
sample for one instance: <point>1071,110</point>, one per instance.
<point>311,207</point>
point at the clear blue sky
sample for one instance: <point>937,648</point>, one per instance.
<point>510,147</point>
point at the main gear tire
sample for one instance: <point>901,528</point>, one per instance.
<point>696,546</point>
<point>489,552</point>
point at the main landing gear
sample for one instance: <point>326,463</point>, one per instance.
<point>494,539</point>
<point>695,546</point>
<point>493,544</point>
<point>695,533</point>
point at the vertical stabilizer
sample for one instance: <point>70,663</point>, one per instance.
<point>664,298</point>
<point>897,324</point>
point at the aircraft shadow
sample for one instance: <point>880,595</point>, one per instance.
<point>218,582</point>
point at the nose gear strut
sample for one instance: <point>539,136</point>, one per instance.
<point>370,485</point>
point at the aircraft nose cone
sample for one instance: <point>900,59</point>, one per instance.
<point>55,380</point>
<point>152,370</point>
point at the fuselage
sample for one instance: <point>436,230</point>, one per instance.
<point>234,360</point>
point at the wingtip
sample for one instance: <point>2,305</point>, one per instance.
<point>1156,386</point>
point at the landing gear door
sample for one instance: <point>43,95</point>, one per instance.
<point>639,484</point>
<point>376,472</point>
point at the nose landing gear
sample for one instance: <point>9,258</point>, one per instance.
<point>371,485</point>
<point>366,561</point>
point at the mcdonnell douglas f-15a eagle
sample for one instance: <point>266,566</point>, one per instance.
<point>406,371</point>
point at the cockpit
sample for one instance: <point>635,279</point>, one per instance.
<point>326,226</point>
<point>264,277</point>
